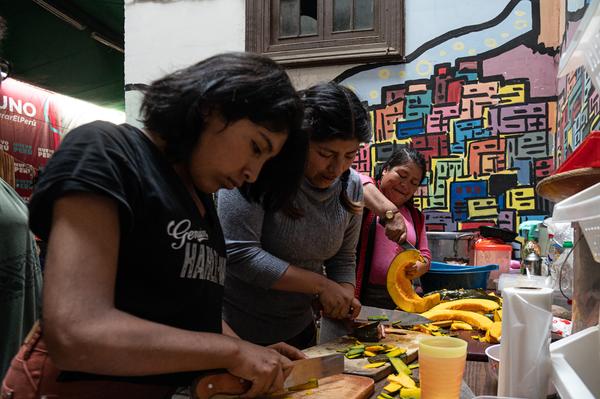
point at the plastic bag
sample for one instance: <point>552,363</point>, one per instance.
<point>561,271</point>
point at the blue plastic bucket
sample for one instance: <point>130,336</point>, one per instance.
<point>447,276</point>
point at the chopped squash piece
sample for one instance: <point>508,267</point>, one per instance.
<point>461,325</point>
<point>421,328</point>
<point>368,353</point>
<point>494,333</point>
<point>374,365</point>
<point>311,383</point>
<point>402,379</point>
<point>400,366</point>
<point>498,315</point>
<point>392,387</point>
<point>375,348</point>
<point>396,352</point>
<point>410,393</point>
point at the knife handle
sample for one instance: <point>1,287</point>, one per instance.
<point>210,385</point>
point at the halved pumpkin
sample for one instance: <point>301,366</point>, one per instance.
<point>474,319</point>
<point>400,287</point>
<point>476,305</point>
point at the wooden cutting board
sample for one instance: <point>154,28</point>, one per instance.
<point>409,340</point>
<point>339,386</point>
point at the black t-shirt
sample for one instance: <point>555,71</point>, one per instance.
<point>172,260</point>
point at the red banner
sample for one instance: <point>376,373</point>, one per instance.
<point>29,129</point>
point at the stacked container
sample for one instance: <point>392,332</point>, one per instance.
<point>492,251</point>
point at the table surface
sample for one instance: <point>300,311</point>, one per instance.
<point>475,377</point>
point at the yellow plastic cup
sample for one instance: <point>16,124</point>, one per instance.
<point>441,366</point>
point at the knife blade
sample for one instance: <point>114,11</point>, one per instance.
<point>316,367</point>
<point>394,316</point>
<point>408,246</point>
<point>304,370</point>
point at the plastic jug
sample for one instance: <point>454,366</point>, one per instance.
<point>492,251</point>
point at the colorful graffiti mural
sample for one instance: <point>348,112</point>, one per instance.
<point>480,104</point>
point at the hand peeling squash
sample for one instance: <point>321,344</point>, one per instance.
<point>400,287</point>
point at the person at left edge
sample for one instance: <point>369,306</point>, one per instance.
<point>276,259</point>
<point>135,269</point>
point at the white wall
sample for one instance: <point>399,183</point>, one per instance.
<point>305,77</point>
<point>162,36</point>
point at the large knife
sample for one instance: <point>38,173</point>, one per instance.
<point>396,317</point>
<point>304,371</point>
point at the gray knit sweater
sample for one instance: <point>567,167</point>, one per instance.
<point>261,245</point>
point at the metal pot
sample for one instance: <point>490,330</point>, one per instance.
<point>451,247</point>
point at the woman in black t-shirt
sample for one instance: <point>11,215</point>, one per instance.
<point>135,264</point>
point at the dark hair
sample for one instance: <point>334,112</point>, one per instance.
<point>235,86</point>
<point>2,27</point>
<point>401,156</point>
<point>333,112</point>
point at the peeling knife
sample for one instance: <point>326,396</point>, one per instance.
<point>408,246</point>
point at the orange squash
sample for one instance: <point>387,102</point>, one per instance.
<point>494,333</point>
<point>400,287</point>
<point>475,319</point>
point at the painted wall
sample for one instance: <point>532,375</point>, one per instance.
<point>477,96</point>
<point>162,36</point>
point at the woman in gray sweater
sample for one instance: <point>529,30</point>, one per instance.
<point>282,263</point>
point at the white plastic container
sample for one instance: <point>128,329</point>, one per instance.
<point>575,364</point>
<point>583,208</point>
<point>520,280</point>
